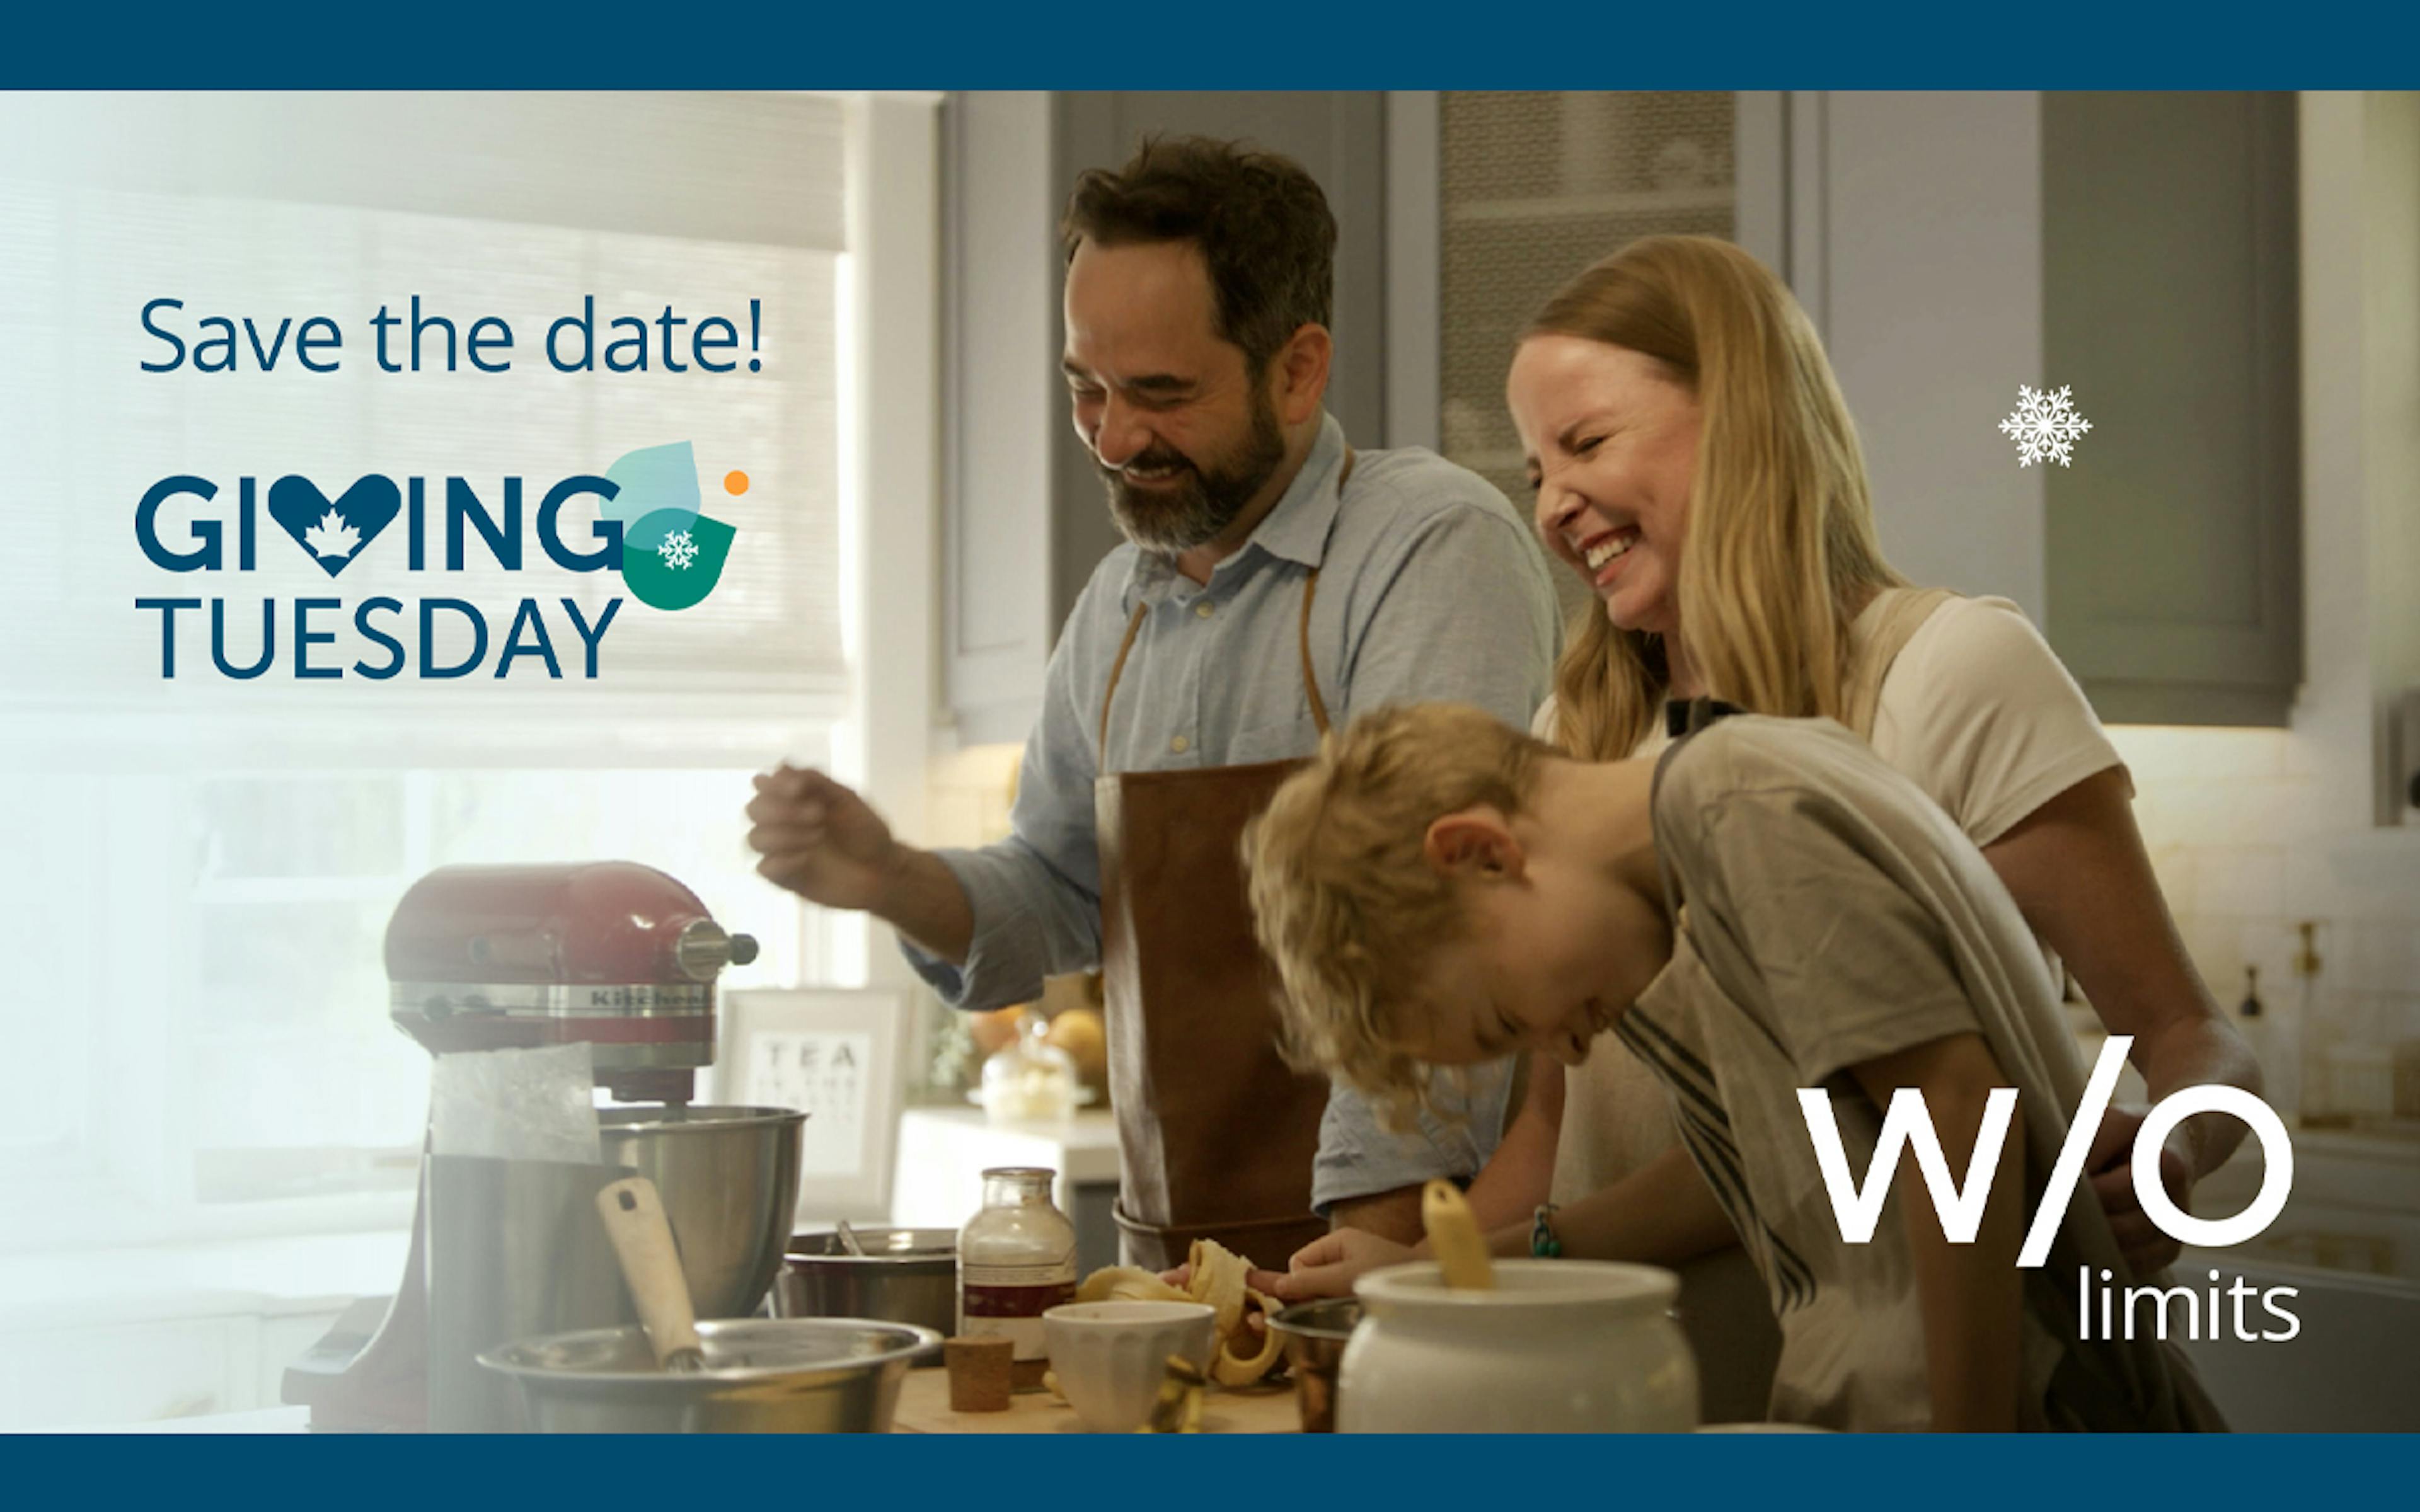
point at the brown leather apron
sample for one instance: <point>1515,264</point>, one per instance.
<point>1215,1133</point>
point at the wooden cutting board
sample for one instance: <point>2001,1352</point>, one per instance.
<point>924,1408</point>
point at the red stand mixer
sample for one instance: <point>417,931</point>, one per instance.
<point>624,959</point>
<point>612,953</point>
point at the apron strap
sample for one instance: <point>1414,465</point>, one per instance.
<point>1311,586</point>
<point>1125,648</point>
<point>1900,613</point>
<point>1309,675</point>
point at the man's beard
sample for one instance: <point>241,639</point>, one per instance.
<point>1194,507</point>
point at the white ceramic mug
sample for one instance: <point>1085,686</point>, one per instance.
<point>1110,1356</point>
<point>1556,1347</point>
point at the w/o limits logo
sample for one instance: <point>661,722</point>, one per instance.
<point>1907,1124</point>
<point>649,527</point>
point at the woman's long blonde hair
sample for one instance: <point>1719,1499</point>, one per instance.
<point>1780,550</point>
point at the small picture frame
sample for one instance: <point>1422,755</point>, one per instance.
<point>833,1054</point>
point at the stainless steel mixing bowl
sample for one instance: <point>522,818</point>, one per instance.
<point>516,1250</point>
<point>730,1182</point>
<point>906,1275</point>
<point>806,1375</point>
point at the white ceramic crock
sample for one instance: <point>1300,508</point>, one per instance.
<point>1110,1356</point>
<point>1558,1347</point>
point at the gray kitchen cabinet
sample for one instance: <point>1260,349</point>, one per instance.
<point>1024,521</point>
<point>1914,242</point>
<point>2169,298</point>
<point>2137,249</point>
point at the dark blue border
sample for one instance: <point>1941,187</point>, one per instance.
<point>1362,44</point>
<point>1071,1473</point>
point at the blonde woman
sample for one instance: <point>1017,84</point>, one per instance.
<point>1694,462</point>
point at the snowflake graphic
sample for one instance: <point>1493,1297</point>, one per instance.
<point>677,549</point>
<point>2045,426</point>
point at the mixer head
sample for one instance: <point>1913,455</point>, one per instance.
<point>614,954</point>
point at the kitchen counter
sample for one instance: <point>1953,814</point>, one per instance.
<point>924,1408</point>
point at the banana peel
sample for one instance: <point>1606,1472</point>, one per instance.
<point>1128,1283</point>
<point>1216,1278</point>
<point>1232,1368</point>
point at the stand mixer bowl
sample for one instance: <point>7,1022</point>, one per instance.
<point>730,1181</point>
<point>516,1250</point>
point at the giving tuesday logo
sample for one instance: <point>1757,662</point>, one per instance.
<point>672,553</point>
<point>334,530</point>
<point>650,526</point>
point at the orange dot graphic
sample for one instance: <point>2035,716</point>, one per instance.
<point>734,482</point>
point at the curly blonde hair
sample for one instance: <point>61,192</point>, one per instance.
<point>1781,549</point>
<point>1344,897</point>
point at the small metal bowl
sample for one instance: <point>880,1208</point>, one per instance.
<point>801,1375</point>
<point>906,1275</point>
<point>1315,1334</point>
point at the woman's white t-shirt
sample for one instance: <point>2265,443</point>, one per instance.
<point>1979,713</point>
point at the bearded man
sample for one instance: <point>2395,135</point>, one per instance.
<point>1274,583</point>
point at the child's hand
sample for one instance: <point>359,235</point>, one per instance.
<point>1328,1265</point>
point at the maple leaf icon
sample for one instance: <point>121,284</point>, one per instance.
<point>332,536</point>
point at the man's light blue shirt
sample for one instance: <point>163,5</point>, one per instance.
<point>1431,588</point>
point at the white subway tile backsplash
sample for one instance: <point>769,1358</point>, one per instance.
<point>2173,865</point>
<point>2240,880</point>
<point>2381,957</point>
<point>2402,1015</point>
<point>2244,810</point>
<point>2175,750</point>
<point>2216,946</point>
<point>2314,889</point>
<point>2270,945</point>
<point>2249,836</point>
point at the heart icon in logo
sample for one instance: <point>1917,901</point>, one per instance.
<point>333,533</point>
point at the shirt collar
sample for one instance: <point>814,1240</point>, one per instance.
<point>1295,531</point>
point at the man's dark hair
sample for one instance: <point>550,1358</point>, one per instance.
<point>1261,224</point>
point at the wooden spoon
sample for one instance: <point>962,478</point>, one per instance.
<point>1454,1239</point>
<point>633,1211</point>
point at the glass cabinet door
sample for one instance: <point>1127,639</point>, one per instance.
<point>1533,187</point>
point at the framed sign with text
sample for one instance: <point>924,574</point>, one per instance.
<point>833,1054</point>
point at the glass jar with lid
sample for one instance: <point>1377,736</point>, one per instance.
<point>1030,1080</point>
<point>1017,1259</point>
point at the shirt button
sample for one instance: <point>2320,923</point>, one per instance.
<point>1201,610</point>
<point>1180,745</point>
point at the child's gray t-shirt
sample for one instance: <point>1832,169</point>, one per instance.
<point>1830,914</point>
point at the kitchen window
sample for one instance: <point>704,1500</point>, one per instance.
<point>201,868</point>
